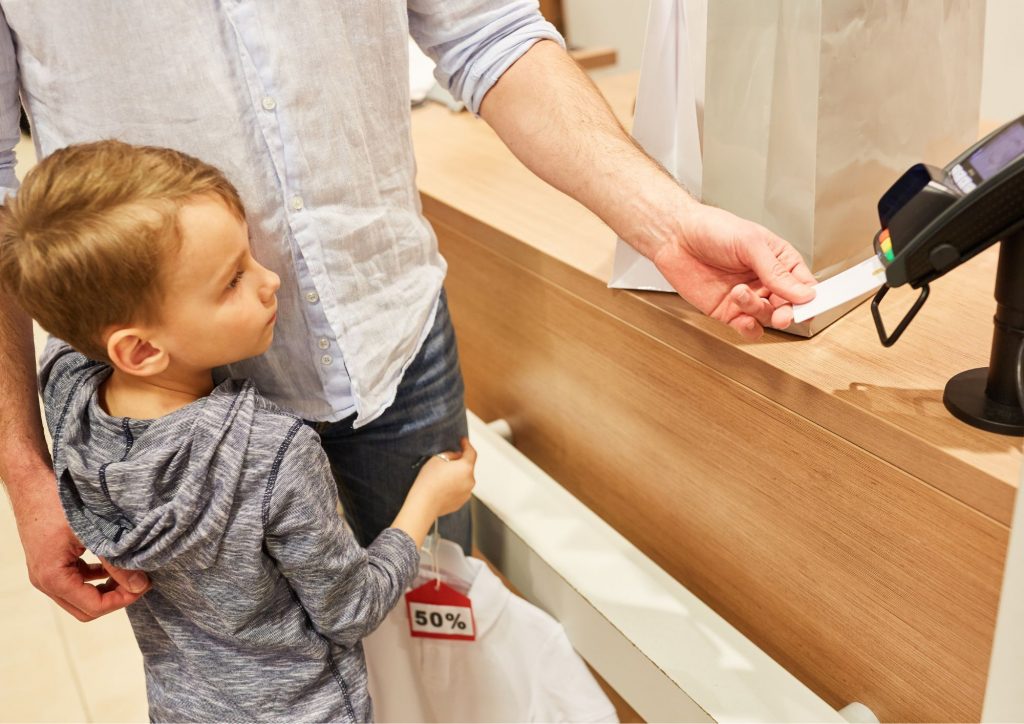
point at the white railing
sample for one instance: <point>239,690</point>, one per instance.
<point>663,650</point>
<point>1004,693</point>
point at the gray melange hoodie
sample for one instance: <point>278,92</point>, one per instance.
<point>260,595</point>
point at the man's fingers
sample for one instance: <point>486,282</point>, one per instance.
<point>793,285</point>
<point>782,317</point>
<point>91,571</point>
<point>95,601</point>
<point>803,273</point>
<point>108,586</point>
<point>790,258</point>
<point>751,304</point>
<point>132,581</point>
<point>747,326</point>
<point>776,301</point>
<point>743,310</point>
<point>55,567</point>
<point>85,601</point>
<point>77,613</point>
<point>69,588</point>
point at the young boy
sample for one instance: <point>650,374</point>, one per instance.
<point>140,259</point>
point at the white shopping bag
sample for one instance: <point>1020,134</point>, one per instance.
<point>812,108</point>
<point>667,122</point>
<point>815,107</point>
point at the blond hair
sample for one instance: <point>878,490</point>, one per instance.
<point>85,243</point>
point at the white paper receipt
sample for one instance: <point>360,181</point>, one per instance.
<point>856,281</point>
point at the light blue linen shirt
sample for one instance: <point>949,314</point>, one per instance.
<point>304,104</point>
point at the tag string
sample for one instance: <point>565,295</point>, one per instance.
<point>434,544</point>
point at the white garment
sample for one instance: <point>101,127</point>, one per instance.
<point>520,668</point>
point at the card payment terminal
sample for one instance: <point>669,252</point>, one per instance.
<point>932,220</point>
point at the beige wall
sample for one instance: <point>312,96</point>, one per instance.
<point>622,24</point>
<point>1002,91</point>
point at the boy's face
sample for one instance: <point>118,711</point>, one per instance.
<point>220,304</point>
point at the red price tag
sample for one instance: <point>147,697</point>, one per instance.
<point>440,612</point>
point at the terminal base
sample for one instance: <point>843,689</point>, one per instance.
<point>965,397</point>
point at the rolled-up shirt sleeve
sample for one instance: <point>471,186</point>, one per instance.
<point>474,41</point>
<point>10,110</point>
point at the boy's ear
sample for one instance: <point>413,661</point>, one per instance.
<point>130,352</point>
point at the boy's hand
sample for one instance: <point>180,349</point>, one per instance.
<point>443,486</point>
<point>447,479</point>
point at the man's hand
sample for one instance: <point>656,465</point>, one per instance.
<point>552,117</point>
<point>52,552</point>
<point>735,271</point>
<point>53,557</point>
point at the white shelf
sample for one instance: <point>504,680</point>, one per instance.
<point>663,650</point>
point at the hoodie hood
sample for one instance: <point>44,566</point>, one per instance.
<point>146,493</point>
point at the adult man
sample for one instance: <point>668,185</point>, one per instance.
<point>305,106</point>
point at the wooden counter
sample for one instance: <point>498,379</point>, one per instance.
<point>815,492</point>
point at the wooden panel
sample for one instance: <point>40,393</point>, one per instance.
<point>592,58</point>
<point>865,582</point>
<point>552,12</point>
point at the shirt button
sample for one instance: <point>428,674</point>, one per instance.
<point>312,297</point>
<point>269,103</point>
<point>326,359</point>
<point>324,343</point>
<point>297,203</point>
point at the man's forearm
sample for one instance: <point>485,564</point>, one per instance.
<point>552,117</point>
<point>23,452</point>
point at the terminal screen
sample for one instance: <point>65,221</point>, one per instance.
<point>994,156</point>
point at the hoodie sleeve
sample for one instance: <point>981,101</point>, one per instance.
<point>346,590</point>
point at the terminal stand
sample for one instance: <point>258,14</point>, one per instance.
<point>987,397</point>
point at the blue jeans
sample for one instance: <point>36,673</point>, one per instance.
<point>375,465</point>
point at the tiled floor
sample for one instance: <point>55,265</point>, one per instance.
<point>52,667</point>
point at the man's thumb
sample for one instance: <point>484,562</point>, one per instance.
<point>133,581</point>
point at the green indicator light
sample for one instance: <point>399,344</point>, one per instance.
<point>889,255</point>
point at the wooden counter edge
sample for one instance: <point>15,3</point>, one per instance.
<point>688,334</point>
